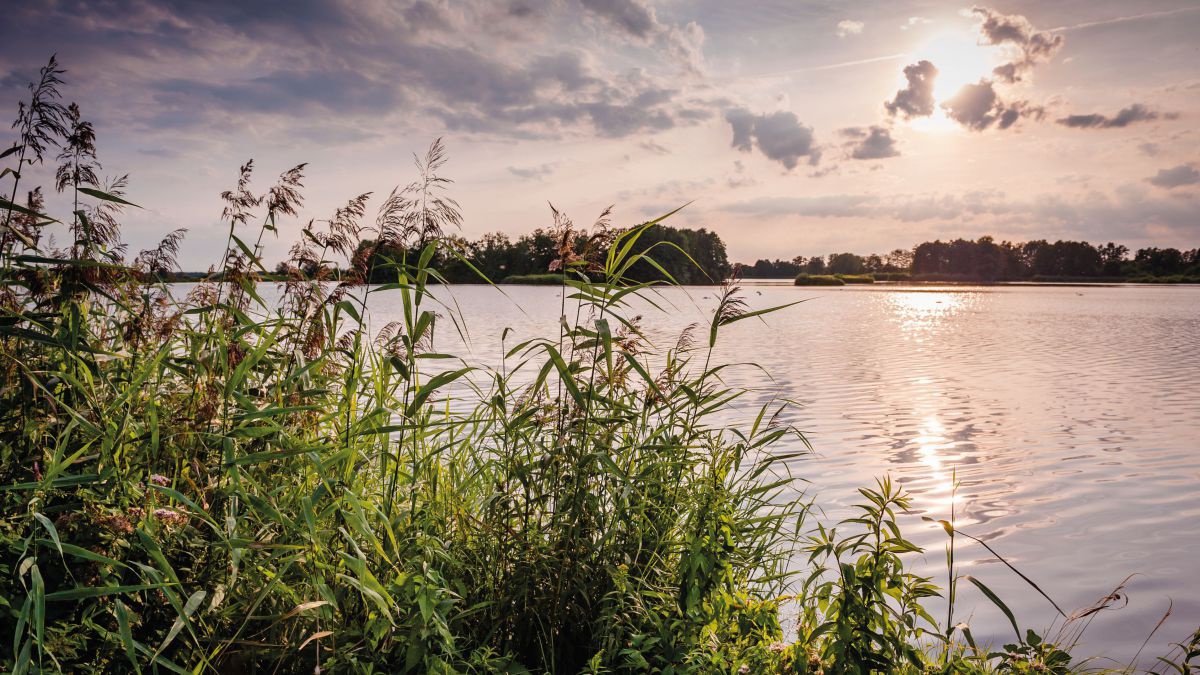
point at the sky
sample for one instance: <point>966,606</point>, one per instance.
<point>788,127</point>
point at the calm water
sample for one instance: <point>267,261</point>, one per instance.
<point>1071,416</point>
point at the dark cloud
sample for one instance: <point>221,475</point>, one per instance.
<point>484,67</point>
<point>639,21</point>
<point>1033,45</point>
<point>780,136</point>
<point>916,99</point>
<point>978,106</point>
<point>742,123</point>
<point>1126,116</point>
<point>632,16</point>
<point>875,142</point>
<point>974,106</point>
<point>1176,176</point>
<point>425,15</point>
<point>285,92</point>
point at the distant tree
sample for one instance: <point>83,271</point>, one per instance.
<point>770,269</point>
<point>899,260</point>
<point>845,263</point>
<point>689,256</point>
<point>815,265</point>
<point>1112,258</point>
<point>1160,261</point>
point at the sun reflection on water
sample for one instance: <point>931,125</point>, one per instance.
<point>921,316</point>
<point>921,311</point>
<point>936,452</point>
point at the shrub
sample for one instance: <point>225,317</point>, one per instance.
<point>818,280</point>
<point>535,279</point>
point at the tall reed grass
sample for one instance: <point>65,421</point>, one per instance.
<point>215,482</point>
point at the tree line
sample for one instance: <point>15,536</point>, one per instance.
<point>689,256</point>
<point>985,259</point>
<point>698,256</point>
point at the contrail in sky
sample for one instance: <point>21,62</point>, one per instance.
<point>859,62</point>
<point>1123,19</point>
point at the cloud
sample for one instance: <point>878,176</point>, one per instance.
<point>654,148</point>
<point>848,27</point>
<point>639,21</point>
<point>1033,46</point>
<point>977,107</point>
<point>780,136</point>
<point>823,206</point>
<point>1126,116</point>
<point>740,177</point>
<point>1149,149</point>
<point>538,172</point>
<point>515,69</point>
<point>873,143</point>
<point>425,15</point>
<point>1176,176</point>
<point>632,16</point>
<point>284,91</point>
<point>916,99</point>
<point>914,21</point>
<point>1124,212</point>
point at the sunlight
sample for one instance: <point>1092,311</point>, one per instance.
<point>959,60</point>
<point>920,311</point>
<point>937,122</point>
<point>932,445</point>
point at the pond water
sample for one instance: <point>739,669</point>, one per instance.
<point>1070,416</point>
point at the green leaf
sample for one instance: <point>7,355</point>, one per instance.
<point>431,386</point>
<point>100,194</point>
<point>189,608</point>
<point>98,591</point>
<point>5,204</point>
<point>51,529</point>
<point>997,602</point>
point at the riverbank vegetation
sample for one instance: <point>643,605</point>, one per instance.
<point>201,480</point>
<point>985,260</point>
<point>818,280</point>
<point>685,256</point>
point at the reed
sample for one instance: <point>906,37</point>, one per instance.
<point>857,278</point>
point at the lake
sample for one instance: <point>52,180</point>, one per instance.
<point>1070,416</point>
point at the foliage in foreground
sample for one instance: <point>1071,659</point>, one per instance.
<point>221,483</point>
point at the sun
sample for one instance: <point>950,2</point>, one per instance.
<point>959,60</point>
